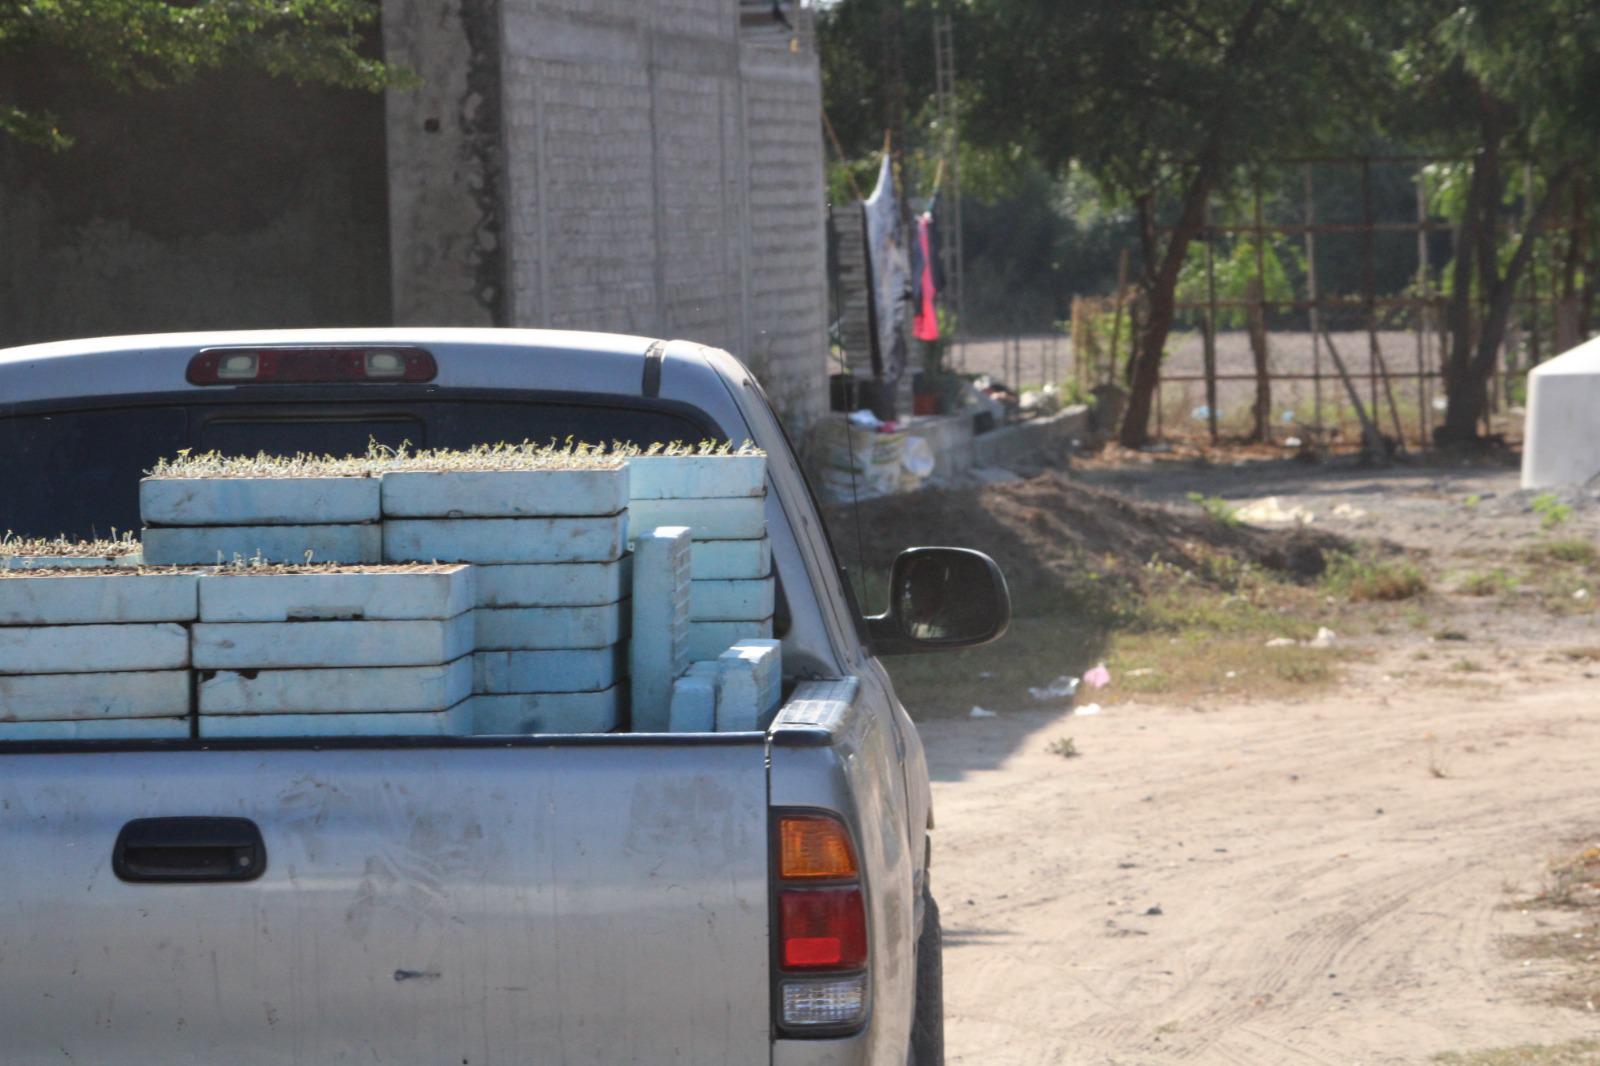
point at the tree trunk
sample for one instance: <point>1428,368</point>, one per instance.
<point>1257,324</point>
<point>1458,388</point>
<point>1467,392</point>
<point>1160,299</point>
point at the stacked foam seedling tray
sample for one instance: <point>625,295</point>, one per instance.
<point>64,553</point>
<point>720,494</point>
<point>211,510</point>
<point>94,654</point>
<point>547,532</point>
<point>334,651</point>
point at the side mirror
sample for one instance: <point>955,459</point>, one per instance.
<point>941,599</point>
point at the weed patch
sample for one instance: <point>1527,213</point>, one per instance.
<point>1358,578</point>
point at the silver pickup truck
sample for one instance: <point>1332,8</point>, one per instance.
<point>600,899</point>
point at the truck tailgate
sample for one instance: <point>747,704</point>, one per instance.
<point>596,902</point>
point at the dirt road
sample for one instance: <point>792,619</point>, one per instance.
<point>1263,883</point>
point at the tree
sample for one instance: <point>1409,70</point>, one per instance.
<point>155,44</point>
<point>1165,102</point>
<point>1503,82</point>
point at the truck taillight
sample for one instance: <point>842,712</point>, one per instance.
<point>310,366</point>
<point>822,929</point>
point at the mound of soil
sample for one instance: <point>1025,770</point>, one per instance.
<point>1049,532</point>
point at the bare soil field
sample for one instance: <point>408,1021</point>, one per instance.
<point>1256,852</point>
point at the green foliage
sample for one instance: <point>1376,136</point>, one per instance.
<point>1236,273</point>
<point>1359,578</point>
<point>1574,550</point>
<point>1216,507</point>
<point>1551,511</point>
<point>155,44</point>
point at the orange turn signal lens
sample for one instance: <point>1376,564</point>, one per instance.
<point>812,847</point>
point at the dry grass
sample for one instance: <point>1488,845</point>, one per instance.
<point>1574,1053</point>
<point>380,459</point>
<point>63,547</point>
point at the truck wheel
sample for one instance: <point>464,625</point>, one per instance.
<point>927,1024</point>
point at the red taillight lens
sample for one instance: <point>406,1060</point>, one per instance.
<point>302,366</point>
<point>823,928</point>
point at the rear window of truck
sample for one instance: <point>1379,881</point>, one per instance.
<point>75,471</point>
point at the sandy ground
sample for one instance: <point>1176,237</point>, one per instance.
<point>1322,896</point>
<point>1321,881</point>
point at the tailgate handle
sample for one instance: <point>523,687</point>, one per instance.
<point>189,850</point>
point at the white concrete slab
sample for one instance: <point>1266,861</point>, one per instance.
<point>506,540</point>
<point>98,729</point>
<point>559,670</point>
<point>451,723</point>
<point>90,597</point>
<point>748,685</point>
<point>504,493</point>
<point>358,689</point>
<point>553,584</point>
<point>1561,436</point>
<point>707,640</point>
<point>312,645</point>
<point>68,562</point>
<point>666,477</point>
<point>376,596</point>
<point>714,600</point>
<point>733,560</point>
<point>765,663</point>
<point>536,628</point>
<point>738,518</point>
<point>694,706</point>
<point>545,712</point>
<point>658,641</point>
<point>90,648</point>
<point>78,697</point>
<point>207,545</point>
<point>257,501</point>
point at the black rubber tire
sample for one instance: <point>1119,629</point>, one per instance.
<point>927,1023</point>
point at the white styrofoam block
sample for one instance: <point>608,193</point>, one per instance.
<point>351,689</point>
<point>730,560</point>
<point>91,648</point>
<point>707,640</point>
<point>738,696</point>
<point>205,545</point>
<point>694,705</point>
<point>454,722</point>
<point>766,664</point>
<point>125,694</point>
<point>287,645</point>
<point>658,642</point>
<point>557,670</point>
<point>257,501</point>
<point>714,600</point>
<point>735,518</point>
<point>98,729</point>
<point>667,477</point>
<point>87,597</point>
<point>535,628</point>
<point>506,540</point>
<point>68,562</point>
<point>330,595</point>
<point>504,493</point>
<point>545,712</point>
<point>553,584</point>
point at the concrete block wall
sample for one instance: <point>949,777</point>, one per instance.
<point>631,165</point>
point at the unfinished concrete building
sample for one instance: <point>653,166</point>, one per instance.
<point>643,166</point>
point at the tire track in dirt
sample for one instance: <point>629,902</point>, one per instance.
<point>1257,830</point>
